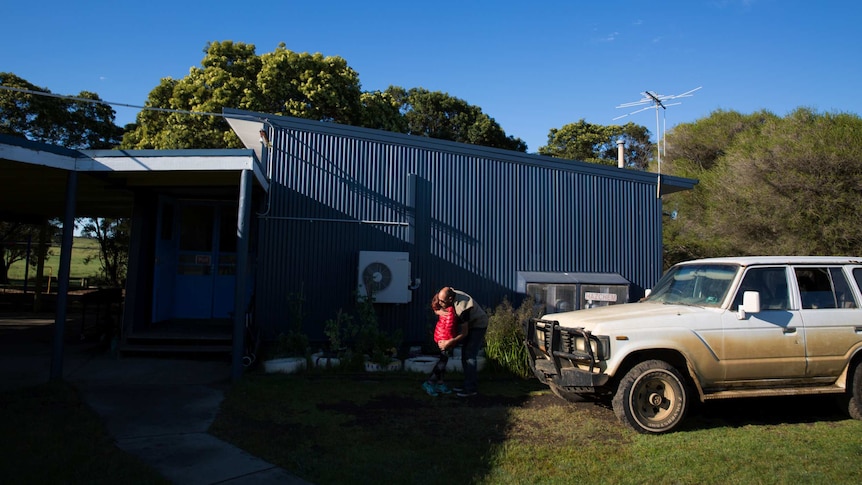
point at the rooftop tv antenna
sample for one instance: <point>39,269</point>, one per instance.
<point>653,100</point>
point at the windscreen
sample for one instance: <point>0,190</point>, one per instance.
<point>701,285</point>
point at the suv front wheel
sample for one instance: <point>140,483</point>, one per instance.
<point>651,398</point>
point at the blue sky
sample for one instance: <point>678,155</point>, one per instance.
<point>531,66</point>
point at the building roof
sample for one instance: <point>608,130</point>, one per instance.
<point>248,124</point>
<point>34,175</point>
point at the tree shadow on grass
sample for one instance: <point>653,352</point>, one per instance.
<point>402,435</point>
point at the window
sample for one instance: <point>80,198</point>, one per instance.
<point>843,293</point>
<point>694,284</point>
<point>771,283</point>
<point>824,288</point>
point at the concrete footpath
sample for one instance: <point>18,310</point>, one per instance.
<point>157,409</point>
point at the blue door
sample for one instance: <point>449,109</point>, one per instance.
<point>196,266</point>
<point>165,267</point>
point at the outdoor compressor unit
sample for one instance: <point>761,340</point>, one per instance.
<point>384,276</point>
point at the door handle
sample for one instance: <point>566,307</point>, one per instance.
<point>790,330</point>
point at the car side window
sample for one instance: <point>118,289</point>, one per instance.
<point>771,283</point>
<point>824,288</point>
<point>843,293</point>
<point>857,275</point>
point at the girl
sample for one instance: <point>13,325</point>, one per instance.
<point>446,329</point>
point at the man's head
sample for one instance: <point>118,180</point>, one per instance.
<point>446,296</point>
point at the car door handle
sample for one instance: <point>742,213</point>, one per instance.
<point>790,330</point>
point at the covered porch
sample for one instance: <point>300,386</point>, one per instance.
<point>191,215</point>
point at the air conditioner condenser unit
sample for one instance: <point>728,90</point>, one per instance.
<point>384,276</point>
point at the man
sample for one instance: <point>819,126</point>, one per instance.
<point>474,324</point>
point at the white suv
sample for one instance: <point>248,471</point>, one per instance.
<point>712,329</point>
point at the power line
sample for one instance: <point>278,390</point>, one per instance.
<point>110,103</point>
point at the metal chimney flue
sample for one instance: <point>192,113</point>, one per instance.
<point>621,153</point>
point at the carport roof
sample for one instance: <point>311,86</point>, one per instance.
<point>33,177</point>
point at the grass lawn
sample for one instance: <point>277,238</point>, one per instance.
<point>79,271</point>
<point>50,436</point>
<point>332,429</point>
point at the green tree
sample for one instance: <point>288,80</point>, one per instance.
<point>72,123</point>
<point>382,111</point>
<point>54,119</point>
<point>226,79</point>
<point>438,115</point>
<point>309,86</point>
<point>232,75</point>
<point>16,241</point>
<point>798,182</point>
<point>302,85</point>
<point>592,143</point>
<point>702,143</point>
<point>694,150</point>
<point>768,185</point>
<point>113,236</point>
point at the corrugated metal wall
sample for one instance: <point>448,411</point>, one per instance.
<point>470,217</point>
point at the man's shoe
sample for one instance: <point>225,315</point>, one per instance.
<point>458,389</point>
<point>429,388</point>
<point>464,393</point>
<point>443,389</point>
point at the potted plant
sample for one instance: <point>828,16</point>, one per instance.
<point>337,330</point>
<point>384,353</point>
<point>290,352</point>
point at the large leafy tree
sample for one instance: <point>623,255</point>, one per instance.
<point>768,185</point>
<point>303,85</point>
<point>438,115</point>
<point>79,122</point>
<point>113,236</point>
<point>588,142</point>
<point>18,242</point>
<point>309,86</point>
<point>382,110</point>
<point>232,75</point>
<point>693,151</point>
<point>226,78</point>
<point>799,181</point>
<point>55,119</point>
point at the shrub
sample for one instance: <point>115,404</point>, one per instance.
<point>355,337</point>
<point>504,342</point>
<point>338,330</point>
<point>291,344</point>
<point>294,342</point>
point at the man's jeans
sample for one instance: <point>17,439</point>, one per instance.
<point>473,343</point>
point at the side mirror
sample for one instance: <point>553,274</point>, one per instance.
<point>750,304</point>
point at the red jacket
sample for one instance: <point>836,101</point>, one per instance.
<point>446,325</point>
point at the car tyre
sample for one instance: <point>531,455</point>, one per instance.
<point>854,407</point>
<point>651,398</point>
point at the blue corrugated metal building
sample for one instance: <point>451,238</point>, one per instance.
<point>465,216</point>
<point>327,212</point>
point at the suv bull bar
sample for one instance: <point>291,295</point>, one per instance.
<point>557,345</point>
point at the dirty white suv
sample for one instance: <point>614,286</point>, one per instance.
<point>712,329</point>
